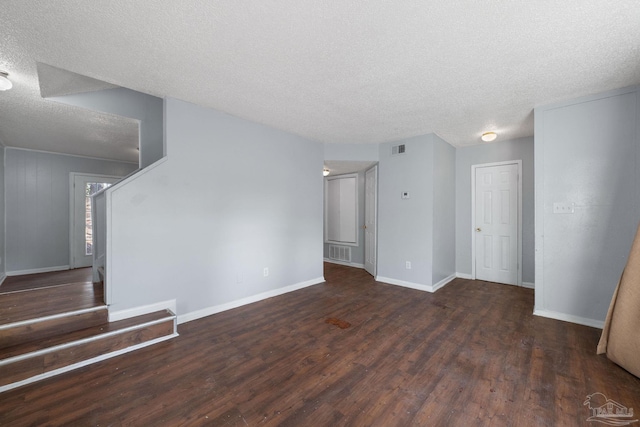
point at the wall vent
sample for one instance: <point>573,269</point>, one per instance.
<point>397,149</point>
<point>340,253</point>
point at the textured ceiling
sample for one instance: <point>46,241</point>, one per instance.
<point>348,71</point>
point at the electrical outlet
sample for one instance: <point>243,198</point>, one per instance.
<point>265,272</point>
<point>407,265</point>
<point>404,195</point>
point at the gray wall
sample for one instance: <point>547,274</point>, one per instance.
<point>351,152</point>
<point>2,215</point>
<point>405,230</point>
<point>37,205</point>
<point>231,198</point>
<point>128,103</point>
<point>444,205</point>
<point>586,152</point>
<point>516,149</point>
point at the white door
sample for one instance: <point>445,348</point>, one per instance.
<point>370,219</point>
<point>496,223</point>
<point>81,236</point>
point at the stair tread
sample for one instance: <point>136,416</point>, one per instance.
<point>97,330</point>
<point>42,302</point>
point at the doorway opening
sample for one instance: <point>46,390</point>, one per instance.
<point>82,187</point>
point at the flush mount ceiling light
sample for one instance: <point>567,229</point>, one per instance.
<point>489,136</point>
<point>5,83</point>
<point>325,172</point>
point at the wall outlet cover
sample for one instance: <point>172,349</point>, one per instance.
<point>564,208</point>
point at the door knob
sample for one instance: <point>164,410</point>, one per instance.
<point>478,229</point>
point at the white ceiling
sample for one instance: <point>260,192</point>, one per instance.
<point>332,71</point>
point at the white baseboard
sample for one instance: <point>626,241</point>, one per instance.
<point>442,282</point>
<point>528,285</point>
<point>390,281</point>
<point>569,318</point>
<point>37,270</point>
<point>464,276</point>
<point>2,277</point>
<point>188,317</point>
<point>139,311</point>
<point>348,264</point>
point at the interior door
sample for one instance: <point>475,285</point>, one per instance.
<point>496,223</point>
<point>81,236</point>
<point>370,219</point>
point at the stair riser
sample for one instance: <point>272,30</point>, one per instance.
<point>42,330</point>
<point>40,364</point>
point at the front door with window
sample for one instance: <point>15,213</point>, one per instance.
<point>82,188</point>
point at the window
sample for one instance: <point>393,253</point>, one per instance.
<point>341,216</point>
<point>90,189</point>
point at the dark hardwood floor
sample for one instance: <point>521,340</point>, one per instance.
<point>471,354</point>
<point>44,280</point>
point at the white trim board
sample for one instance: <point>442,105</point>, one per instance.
<point>569,318</point>
<point>417,286</point>
<point>38,270</point>
<point>144,309</point>
<point>464,276</point>
<point>188,317</point>
<point>2,277</point>
<point>348,264</point>
<point>528,285</point>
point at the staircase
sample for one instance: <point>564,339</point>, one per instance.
<point>51,330</point>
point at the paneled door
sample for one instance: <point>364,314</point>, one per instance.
<point>370,219</point>
<point>81,236</point>
<point>496,223</point>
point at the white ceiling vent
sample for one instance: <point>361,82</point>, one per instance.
<point>397,149</point>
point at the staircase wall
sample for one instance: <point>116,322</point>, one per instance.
<point>231,198</point>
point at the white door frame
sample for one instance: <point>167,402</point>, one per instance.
<point>375,220</point>
<point>72,205</point>
<point>473,214</point>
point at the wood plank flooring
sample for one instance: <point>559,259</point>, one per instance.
<point>471,354</point>
<point>43,280</point>
<point>18,306</point>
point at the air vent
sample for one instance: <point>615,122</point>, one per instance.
<point>397,149</point>
<point>340,253</point>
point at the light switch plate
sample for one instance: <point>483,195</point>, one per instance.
<point>564,208</point>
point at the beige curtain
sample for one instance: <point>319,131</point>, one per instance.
<point>620,337</point>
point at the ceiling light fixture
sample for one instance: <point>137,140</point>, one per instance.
<point>489,136</point>
<point>5,83</point>
<point>325,172</point>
